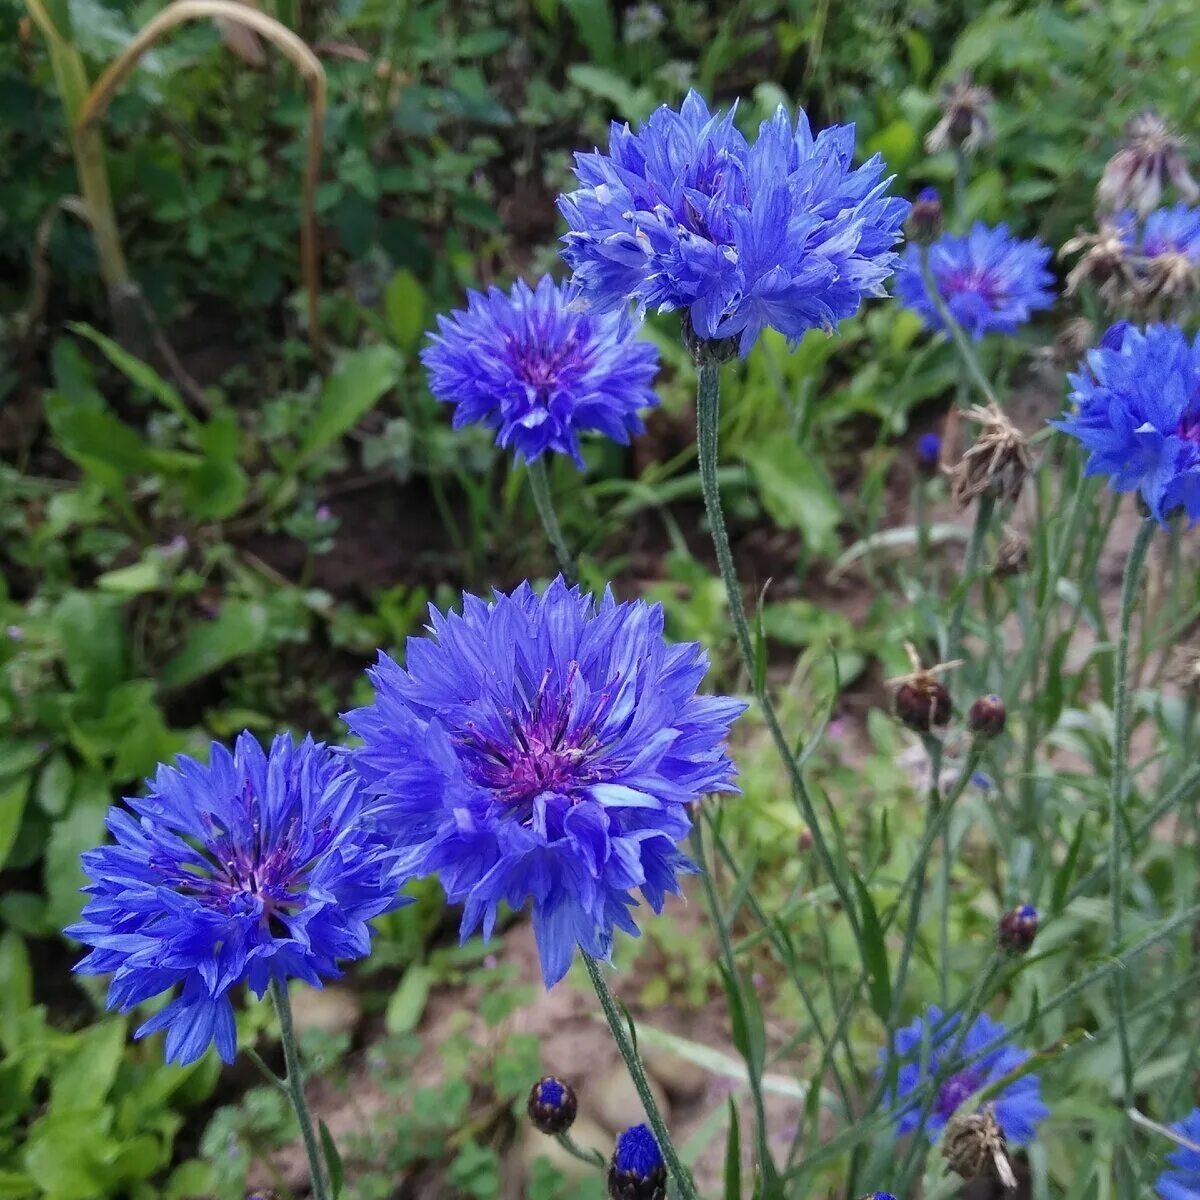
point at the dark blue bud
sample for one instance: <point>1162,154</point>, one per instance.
<point>929,448</point>
<point>1017,929</point>
<point>552,1105</point>
<point>637,1171</point>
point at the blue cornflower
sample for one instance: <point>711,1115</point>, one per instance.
<point>258,866</point>
<point>990,281</point>
<point>637,1170</point>
<point>533,366</point>
<point>686,214</point>
<point>1138,413</point>
<point>1183,1183</point>
<point>545,749</point>
<point>1018,1107</point>
<point>1174,231</point>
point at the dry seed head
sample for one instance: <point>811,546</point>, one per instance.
<point>996,465</point>
<point>973,1145</point>
<point>965,120</point>
<point>1104,263</point>
<point>1150,155</point>
<point>1012,554</point>
<point>921,700</point>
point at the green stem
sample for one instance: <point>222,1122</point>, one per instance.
<point>593,1158</point>
<point>960,188</point>
<point>293,1083</point>
<point>1120,784</point>
<point>770,1174</point>
<point>620,1031</point>
<point>983,519</point>
<point>539,484</point>
<point>961,342</point>
<point>708,383</point>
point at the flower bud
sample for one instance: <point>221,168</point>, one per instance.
<point>637,1170</point>
<point>1017,929</point>
<point>987,717</point>
<point>929,452</point>
<point>922,702</point>
<point>552,1105</point>
<point>925,219</point>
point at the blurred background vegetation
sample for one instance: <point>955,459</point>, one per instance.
<point>209,525</point>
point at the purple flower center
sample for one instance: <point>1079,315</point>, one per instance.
<point>955,1090</point>
<point>548,746</point>
<point>235,872</point>
<point>970,281</point>
<point>1189,426</point>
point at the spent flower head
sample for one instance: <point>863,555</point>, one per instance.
<point>1166,251</point>
<point>989,281</point>
<point>996,464</point>
<point>1150,156</point>
<point>974,1147</point>
<point>546,749</point>
<point>1138,414</point>
<point>536,368</point>
<point>984,1058</point>
<point>1103,262</point>
<point>687,215</point>
<point>965,121</point>
<point>258,865</point>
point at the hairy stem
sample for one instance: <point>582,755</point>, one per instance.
<point>539,485</point>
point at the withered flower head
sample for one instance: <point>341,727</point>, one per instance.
<point>1104,262</point>
<point>1167,282</point>
<point>996,465</point>
<point>1012,554</point>
<point>973,1145</point>
<point>964,120</point>
<point>921,700</point>
<point>1150,155</point>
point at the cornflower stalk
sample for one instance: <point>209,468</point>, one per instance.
<point>539,485</point>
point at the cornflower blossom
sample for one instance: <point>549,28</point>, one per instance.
<point>257,866</point>
<point>686,214</point>
<point>536,368</point>
<point>545,749</point>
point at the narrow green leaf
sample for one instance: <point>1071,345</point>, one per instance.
<point>1062,877</point>
<point>629,1021</point>
<point>874,953</point>
<point>407,1004</point>
<point>404,306</point>
<point>333,1160</point>
<point>733,1156</point>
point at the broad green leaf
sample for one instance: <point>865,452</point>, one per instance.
<point>238,629</point>
<point>218,486</point>
<point>794,491</point>
<point>404,305</point>
<point>88,1072</point>
<point>357,384</point>
<point>16,993</point>
<point>81,829</point>
<point>13,797</point>
<point>92,634</point>
<point>134,580</point>
<point>81,1174</point>
<point>408,1000</point>
<point>191,1180</point>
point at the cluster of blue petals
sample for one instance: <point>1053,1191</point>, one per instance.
<point>258,865</point>
<point>984,1058</point>
<point>686,214</point>
<point>638,1152</point>
<point>544,749</point>
<point>1137,411</point>
<point>1183,1183</point>
<point>990,281</point>
<point>1174,230</point>
<point>536,368</point>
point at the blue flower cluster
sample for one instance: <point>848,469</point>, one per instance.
<point>544,749</point>
<point>1138,413</point>
<point>687,215</point>
<point>990,281</point>
<point>984,1058</point>
<point>538,370</point>
<point>1183,1183</point>
<point>260,865</point>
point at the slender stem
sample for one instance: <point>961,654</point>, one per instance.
<point>294,1085</point>
<point>960,188</point>
<point>593,1158</point>
<point>620,1031</point>
<point>961,342</point>
<point>265,1071</point>
<point>983,519</point>
<point>539,484</point>
<point>1120,784</point>
<point>708,383</point>
<point>753,1071</point>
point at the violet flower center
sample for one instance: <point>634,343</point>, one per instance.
<point>955,1090</point>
